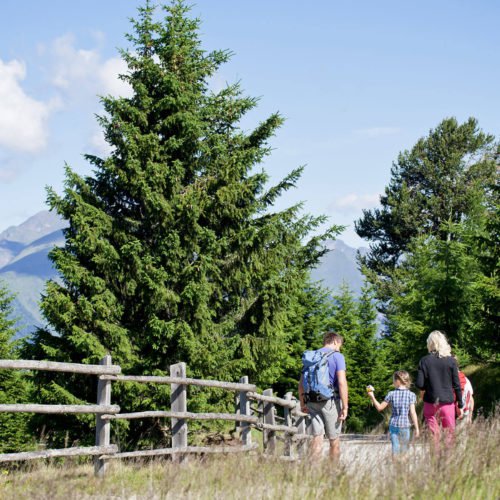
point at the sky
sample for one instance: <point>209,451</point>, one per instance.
<point>357,81</point>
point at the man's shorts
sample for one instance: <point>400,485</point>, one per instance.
<point>325,418</point>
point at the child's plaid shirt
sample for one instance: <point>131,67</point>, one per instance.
<point>400,400</point>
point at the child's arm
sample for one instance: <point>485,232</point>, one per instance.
<point>379,406</point>
<point>471,410</point>
<point>414,419</point>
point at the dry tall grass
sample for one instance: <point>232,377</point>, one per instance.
<point>471,471</point>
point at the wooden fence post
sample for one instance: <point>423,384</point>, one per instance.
<point>237,425</point>
<point>178,403</point>
<point>269,436</point>
<point>288,450</point>
<point>102,427</point>
<point>302,443</point>
<point>245,409</point>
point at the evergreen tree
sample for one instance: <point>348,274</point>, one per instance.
<point>437,284</point>
<point>310,318</point>
<point>436,219</point>
<point>345,321</point>
<point>484,324</point>
<point>173,250</point>
<point>435,185</point>
<point>14,388</point>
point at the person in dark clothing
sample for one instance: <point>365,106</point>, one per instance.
<point>438,377</point>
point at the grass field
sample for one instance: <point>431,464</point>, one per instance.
<point>471,471</point>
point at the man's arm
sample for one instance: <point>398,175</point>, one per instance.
<point>342,381</point>
<point>303,406</point>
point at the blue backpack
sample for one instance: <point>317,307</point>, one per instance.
<point>316,376</point>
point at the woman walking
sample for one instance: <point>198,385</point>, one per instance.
<point>438,377</point>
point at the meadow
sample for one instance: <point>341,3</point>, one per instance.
<point>470,471</point>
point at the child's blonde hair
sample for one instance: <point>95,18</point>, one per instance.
<point>436,342</point>
<point>403,376</point>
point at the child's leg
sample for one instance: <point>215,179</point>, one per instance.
<point>394,433</point>
<point>404,439</point>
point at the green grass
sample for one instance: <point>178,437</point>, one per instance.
<point>471,471</point>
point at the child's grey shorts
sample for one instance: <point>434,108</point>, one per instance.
<point>325,418</point>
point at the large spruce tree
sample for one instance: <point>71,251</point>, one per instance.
<point>174,251</point>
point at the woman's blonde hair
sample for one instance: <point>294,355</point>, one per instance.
<point>436,342</point>
<point>403,376</point>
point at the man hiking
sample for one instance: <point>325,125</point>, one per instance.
<point>323,394</point>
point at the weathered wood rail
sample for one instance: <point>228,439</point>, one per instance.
<point>103,406</point>
<point>293,423</point>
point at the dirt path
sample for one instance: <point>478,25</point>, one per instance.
<point>357,455</point>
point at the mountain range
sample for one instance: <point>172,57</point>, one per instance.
<point>25,266</point>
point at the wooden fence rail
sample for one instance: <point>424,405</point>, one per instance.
<point>65,452</point>
<point>183,416</point>
<point>230,386</point>
<point>58,409</point>
<point>264,419</point>
<point>55,366</point>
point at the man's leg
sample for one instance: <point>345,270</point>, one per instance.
<point>317,448</point>
<point>318,431</point>
<point>335,450</point>
<point>333,427</point>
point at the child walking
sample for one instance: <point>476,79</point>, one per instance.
<point>402,402</point>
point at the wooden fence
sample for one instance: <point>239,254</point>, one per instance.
<point>253,410</point>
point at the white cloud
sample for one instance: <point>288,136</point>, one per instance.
<point>98,144</point>
<point>23,119</point>
<point>7,174</point>
<point>83,72</point>
<point>353,203</point>
<point>108,76</point>
<point>376,132</point>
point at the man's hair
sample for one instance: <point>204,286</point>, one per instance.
<point>403,376</point>
<point>330,337</point>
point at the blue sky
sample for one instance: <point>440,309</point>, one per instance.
<point>357,81</point>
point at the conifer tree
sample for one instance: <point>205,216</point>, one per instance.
<point>439,292</point>
<point>484,324</point>
<point>425,244</point>
<point>174,251</point>
<point>356,323</point>
<point>436,184</point>
<point>14,388</point>
<point>311,317</point>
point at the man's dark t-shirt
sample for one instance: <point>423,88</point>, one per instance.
<point>438,377</point>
